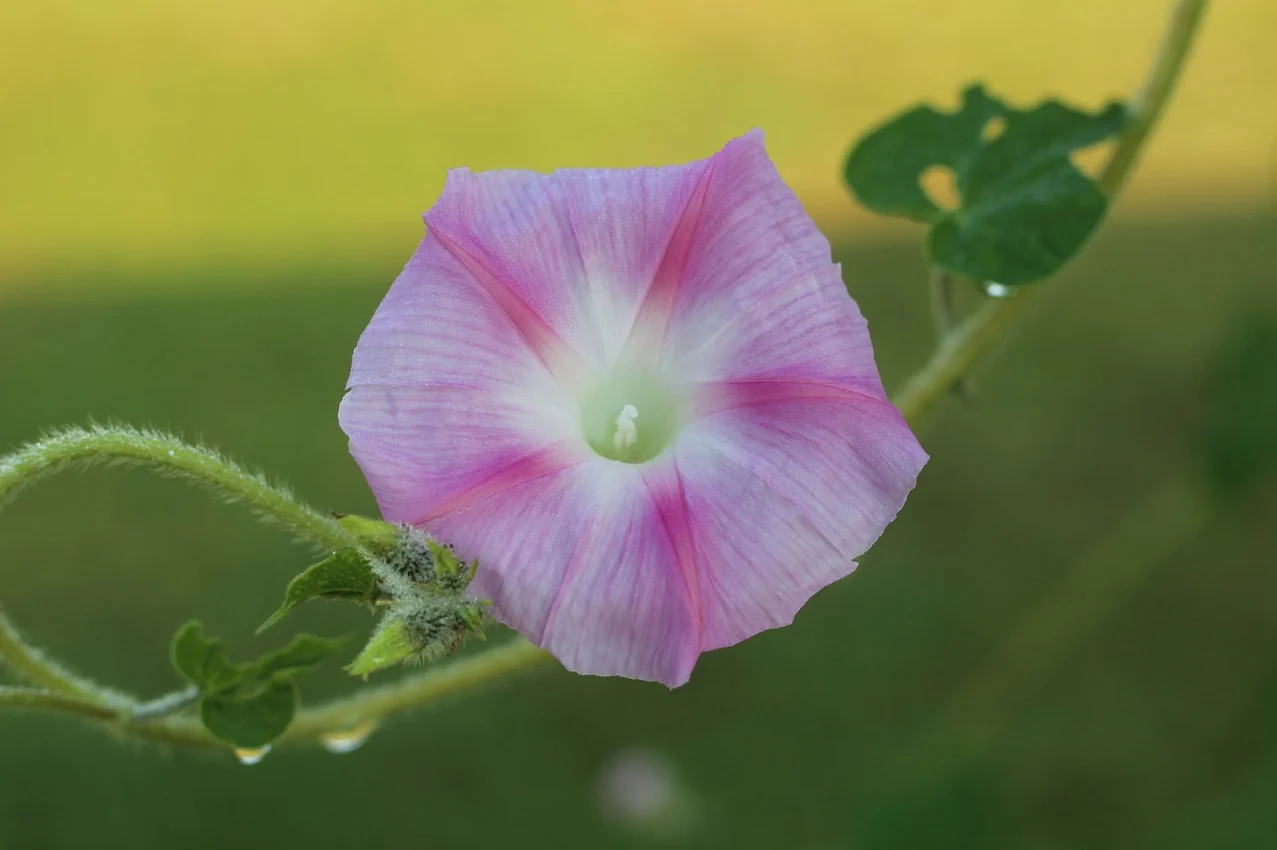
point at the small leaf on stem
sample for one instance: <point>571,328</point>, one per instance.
<point>345,575</point>
<point>202,661</point>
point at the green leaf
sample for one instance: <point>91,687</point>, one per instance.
<point>202,661</point>
<point>246,705</point>
<point>344,575</point>
<point>1025,209</point>
<point>251,717</point>
<point>305,653</point>
<point>392,643</point>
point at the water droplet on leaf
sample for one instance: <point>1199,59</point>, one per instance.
<point>997,290</point>
<point>348,740</point>
<point>253,755</point>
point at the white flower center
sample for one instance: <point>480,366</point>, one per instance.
<point>610,418</point>
<point>626,431</point>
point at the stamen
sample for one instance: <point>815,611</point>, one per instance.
<point>626,432</point>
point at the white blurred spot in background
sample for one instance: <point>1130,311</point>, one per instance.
<point>640,790</point>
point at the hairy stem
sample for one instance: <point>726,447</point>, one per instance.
<point>80,447</point>
<point>38,699</point>
<point>33,666</point>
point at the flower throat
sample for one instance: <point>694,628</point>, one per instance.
<point>632,417</point>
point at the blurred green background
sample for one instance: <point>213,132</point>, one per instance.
<point>200,207</point>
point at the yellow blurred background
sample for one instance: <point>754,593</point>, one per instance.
<point>148,133</point>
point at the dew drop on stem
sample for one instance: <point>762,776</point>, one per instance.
<point>342,741</point>
<point>251,755</point>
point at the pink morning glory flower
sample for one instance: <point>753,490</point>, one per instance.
<point>643,399</point>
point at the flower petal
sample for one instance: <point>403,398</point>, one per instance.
<point>576,249</point>
<point>624,223</point>
<point>427,451</point>
<point>751,237</point>
<point>514,240</point>
<point>446,395</point>
<point>808,330</point>
<point>582,563</point>
<point>437,327</point>
<point>783,496</point>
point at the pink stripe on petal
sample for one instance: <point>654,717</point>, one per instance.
<point>753,237</point>
<point>547,461</point>
<point>428,449</point>
<point>580,561</point>
<point>524,538</point>
<point>552,351</point>
<point>624,603</point>
<point>512,233</point>
<point>763,559</point>
<point>784,496</point>
<point>658,303</point>
<point>623,222</point>
<point>437,327</point>
<point>848,463</point>
<point>718,396</point>
<point>665,488</point>
<point>809,329</point>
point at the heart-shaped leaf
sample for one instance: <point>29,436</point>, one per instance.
<point>246,705</point>
<point>1025,209</point>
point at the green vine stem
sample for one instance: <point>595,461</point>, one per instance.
<point>35,667</point>
<point>1149,103</point>
<point>38,699</point>
<point>953,359</point>
<point>81,447</point>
